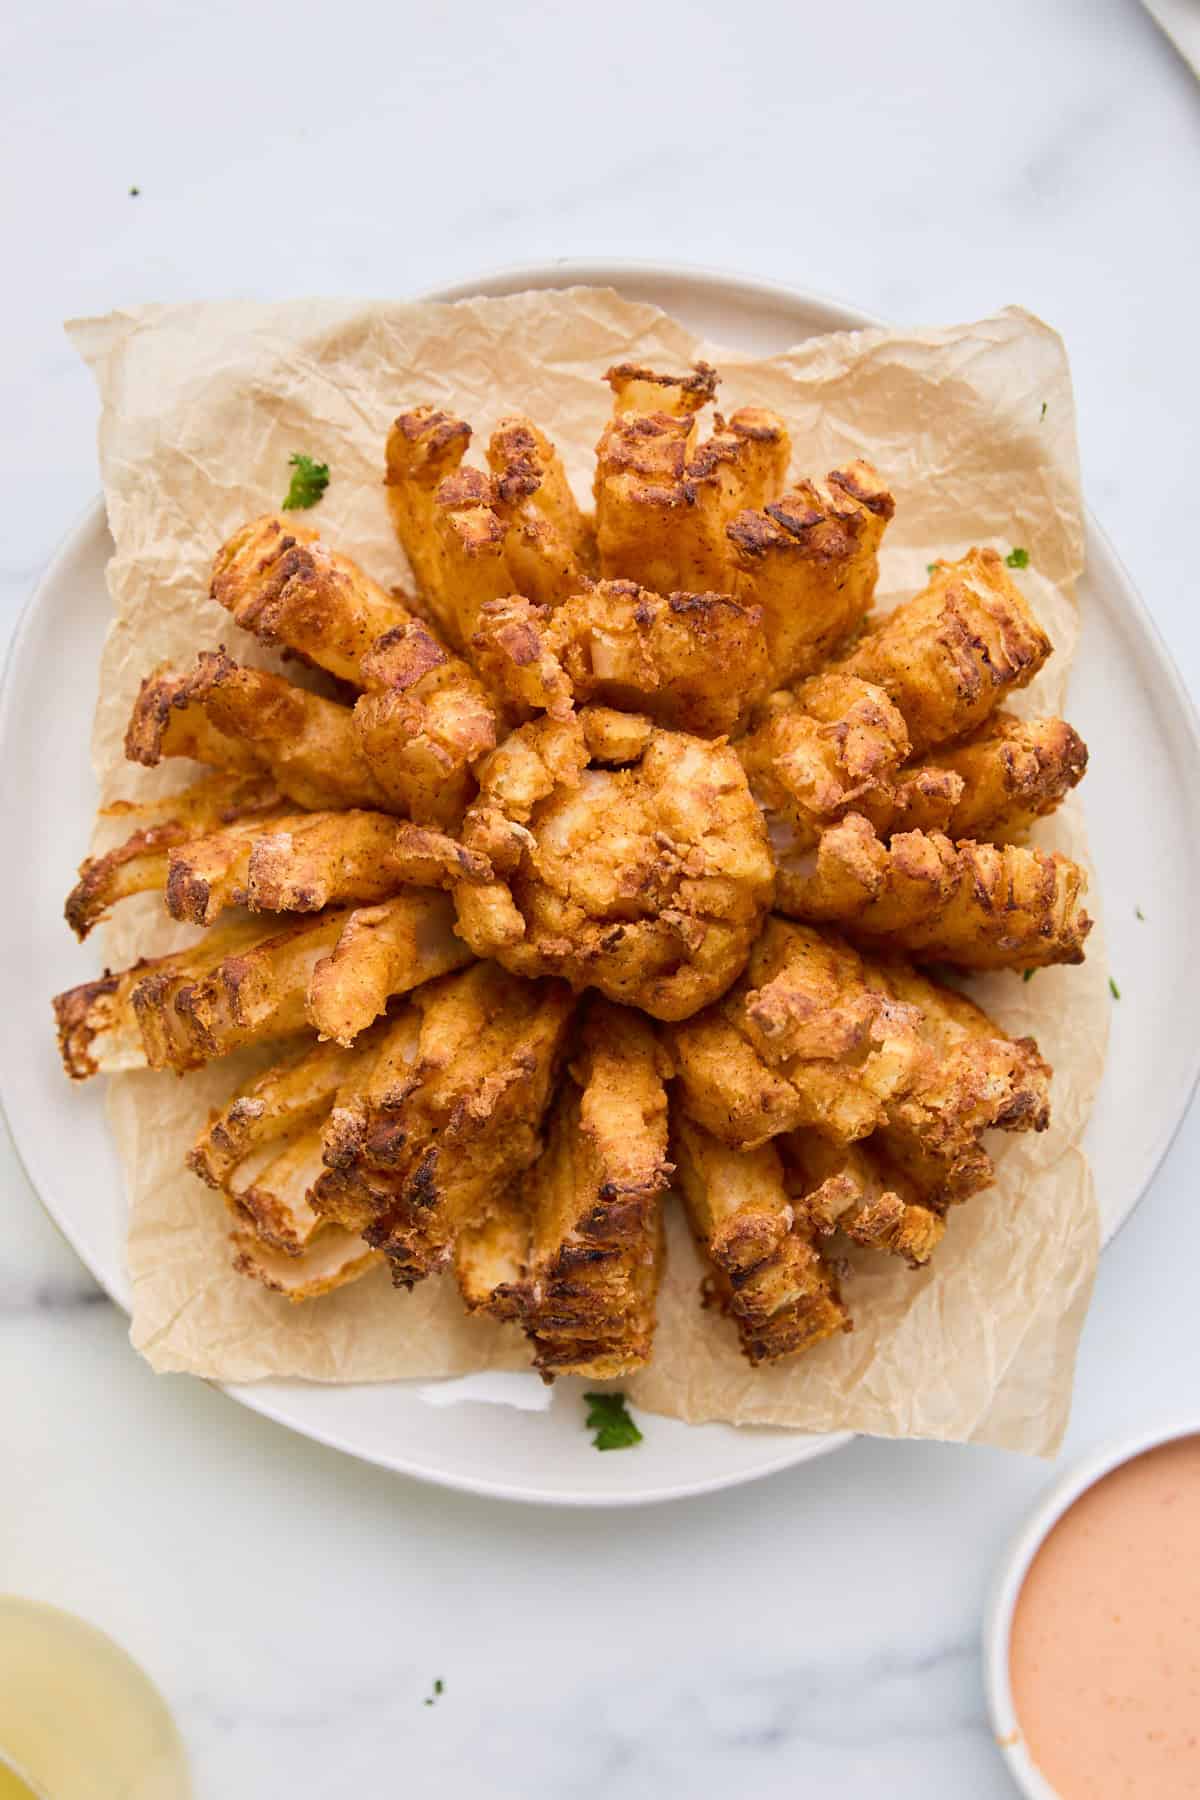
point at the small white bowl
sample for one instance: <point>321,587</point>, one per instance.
<point>998,1618</point>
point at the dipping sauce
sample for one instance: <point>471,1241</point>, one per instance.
<point>1104,1656</point>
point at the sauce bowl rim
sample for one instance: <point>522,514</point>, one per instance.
<point>1010,1578</point>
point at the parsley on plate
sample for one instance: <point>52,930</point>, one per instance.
<point>609,1418</point>
<point>309,481</point>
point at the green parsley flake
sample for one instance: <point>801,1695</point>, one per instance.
<point>1042,414</point>
<point>1141,915</point>
<point>610,1420</point>
<point>308,483</point>
<point>439,1687</point>
<point>1113,989</point>
<point>930,567</point>
<point>1017,559</point>
<point>1029,975</point>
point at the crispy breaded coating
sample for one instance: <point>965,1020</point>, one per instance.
<point>816,1036</point>
<point>423,724</point>
<point>834,745</point>
<point>639,390</point>
<point>948,656</point>
<point>194,1008</point>
<point>423,447</point>
<point>294,1093</point>
<point>280,582</point>
<point>268,1192</point>
<point>596,1241</point>
<point>976,906</point>
<point>810,560</point>
<point>768,1272</point>
<point>691,662</point>
<point>854,1188</point>
<point>975,1080</point>
<point>473,537</point>
<point>647,881</point>
<point>549,540</point>
<point>663,501</point>
<point>279,1239</point>
<point>334,1258</point>
<point>802,1039</point>
<point>303,862</point>
<point>381,951</point>
<point>420,1149</point>
<point>425,718</point>
<point>253,721</point>
<point>139,865</point>
<point>1011,772</point>
<point>333,972</point>
<point>513,651</point>
<point>98,1030</point>
<point>491,1258</point>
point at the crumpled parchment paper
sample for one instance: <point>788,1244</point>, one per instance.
<point>973,427</point>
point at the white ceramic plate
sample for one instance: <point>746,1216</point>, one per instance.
<point>1143,797</point>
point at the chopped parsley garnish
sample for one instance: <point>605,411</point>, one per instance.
<point>439,1687</point>
<point>134,192</point>
<point>1029,975</point>
<point>1141,915</point>
<point>307,485</point>
<point>1113,989</point>
<point>930,567</point>
<point>610,1420</point>
<point>1017,559</point>
<point>1042,414</point>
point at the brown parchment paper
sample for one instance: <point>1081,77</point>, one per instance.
<point>973,427</point>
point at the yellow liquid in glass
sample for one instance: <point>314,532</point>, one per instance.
<point>78,1718</point>
<point>13,1788</point>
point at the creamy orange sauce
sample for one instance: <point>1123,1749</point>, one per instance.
<point>1105,1651</point>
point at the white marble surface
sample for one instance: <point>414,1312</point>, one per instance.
<point>819,1632</point>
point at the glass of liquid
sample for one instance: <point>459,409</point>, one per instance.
<point>78,1719</point>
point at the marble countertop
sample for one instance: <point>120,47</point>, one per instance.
<point>819,1631</point>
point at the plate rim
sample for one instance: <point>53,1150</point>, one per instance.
<point>740,289</point>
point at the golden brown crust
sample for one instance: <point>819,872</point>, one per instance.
<point>139,864</point>
<point>423,724</point>
<point>855,1189</point>
<point>382,951</point>
<point>663,501</point>
<point>640,390</point>
<point>587,1301</point>
<point>303,862</point>
<point>491,1257</point>
<point>333,972</point>
<point>810,560</point>
<point>280,582</point>
<point>448,1117</point>
<point>691,662</point>
<point>975,1080</point>
<point>472,537</point>
<point>1011,772</point>
<point>834,745</point>
<point>815,1036</point>
<point>248,719</point>
<point>648,881</point>
<point>769,1274</point>
<point>423,447</point>
<point>976,906</point>
<point>820,1046</point>
<point>332,1260</point>
<point>295,1093</point>
<point>948,656</point>
<point>97,1026</point>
